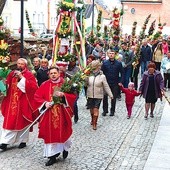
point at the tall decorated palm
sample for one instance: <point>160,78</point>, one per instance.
<point>69,30</point>
<point>115,24</point>
<point>66,28</point>
<point>138,48</point>
<point>4,56</point>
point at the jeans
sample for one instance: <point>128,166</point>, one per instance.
<point>144,65</point>
<point>127,74</point>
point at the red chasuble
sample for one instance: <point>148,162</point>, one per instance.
<point>17,107</point>
<point>55,125</point>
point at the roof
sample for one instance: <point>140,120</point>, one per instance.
<point>105,13</point>
<point>89,8</point>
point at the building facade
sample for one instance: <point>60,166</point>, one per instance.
<point>138,10</point>
<point>42,15</point>
<point>41,12</point>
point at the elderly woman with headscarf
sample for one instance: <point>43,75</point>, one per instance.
<point>96,85</point>
<point>17,106</point>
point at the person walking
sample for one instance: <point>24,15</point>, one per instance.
<point>42,73</point>
<point>113,71</point>
<point>36,63</point>
<point>165,47</point>
<point>151,88</point>
<point>55,126</point>
<point>98,51</point>
<point>158,56</point>
<point>130,94</point>
<point>127,60</point>
<point>70,72</point>
<point>145,56</point>
<point>165,65</point>
<point>135,68</point>
<point>96,85</point>
<point>17,106</point>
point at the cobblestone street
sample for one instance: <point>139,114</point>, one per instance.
<point>118,143</point>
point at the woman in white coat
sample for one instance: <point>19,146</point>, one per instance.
<point>96,86</point>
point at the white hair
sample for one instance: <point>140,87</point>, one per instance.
<point>24,60</point>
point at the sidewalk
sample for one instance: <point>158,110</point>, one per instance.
<point>159,157</point>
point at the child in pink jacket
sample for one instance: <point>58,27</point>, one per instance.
<point>130,94</point>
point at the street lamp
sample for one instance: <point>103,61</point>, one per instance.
<point>22,29</point>
<point>93,17</point>
<point>48,20</point>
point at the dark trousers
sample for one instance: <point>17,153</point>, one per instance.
<point>158,66</point>
<point>76,109</point>
<point>134,76</point>
<point>135,81</point>
<point>166,80</point>
<point>114,90</point>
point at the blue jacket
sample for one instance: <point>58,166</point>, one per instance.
<point>113,71</point>
<point>146,54</point>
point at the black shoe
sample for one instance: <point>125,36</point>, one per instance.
<point>75,120</point>
<point>104,114</point>
<point>57,155</point>
<point>65,154</point>
<point>111,114</point>
<point>128,117</point>
<point>146,117</point>
<point>119,98</point>
<point>151,115</point>
<point>22,145</point>
<point>3,147</point>
<point>51,161</point>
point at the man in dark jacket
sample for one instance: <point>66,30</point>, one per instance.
<point>145,56</point>
<point>112,69</point>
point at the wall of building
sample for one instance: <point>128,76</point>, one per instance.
<point>142,11</point>
<point>38,14</point>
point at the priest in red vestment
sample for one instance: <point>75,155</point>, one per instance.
<point>17,105</point>
<point>55,125</point>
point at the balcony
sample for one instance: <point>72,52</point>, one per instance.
<point>143,1</point>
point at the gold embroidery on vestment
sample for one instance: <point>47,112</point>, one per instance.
<point>14,100</point>
<point>55,116</point>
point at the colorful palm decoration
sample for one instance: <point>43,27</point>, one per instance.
<point>29,23</point>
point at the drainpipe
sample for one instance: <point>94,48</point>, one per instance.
<point>48,19</point>
<point>22,30</point>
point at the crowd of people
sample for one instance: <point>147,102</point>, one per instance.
<point>115,71</point>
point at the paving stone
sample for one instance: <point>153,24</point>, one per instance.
<point>117,144</point>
